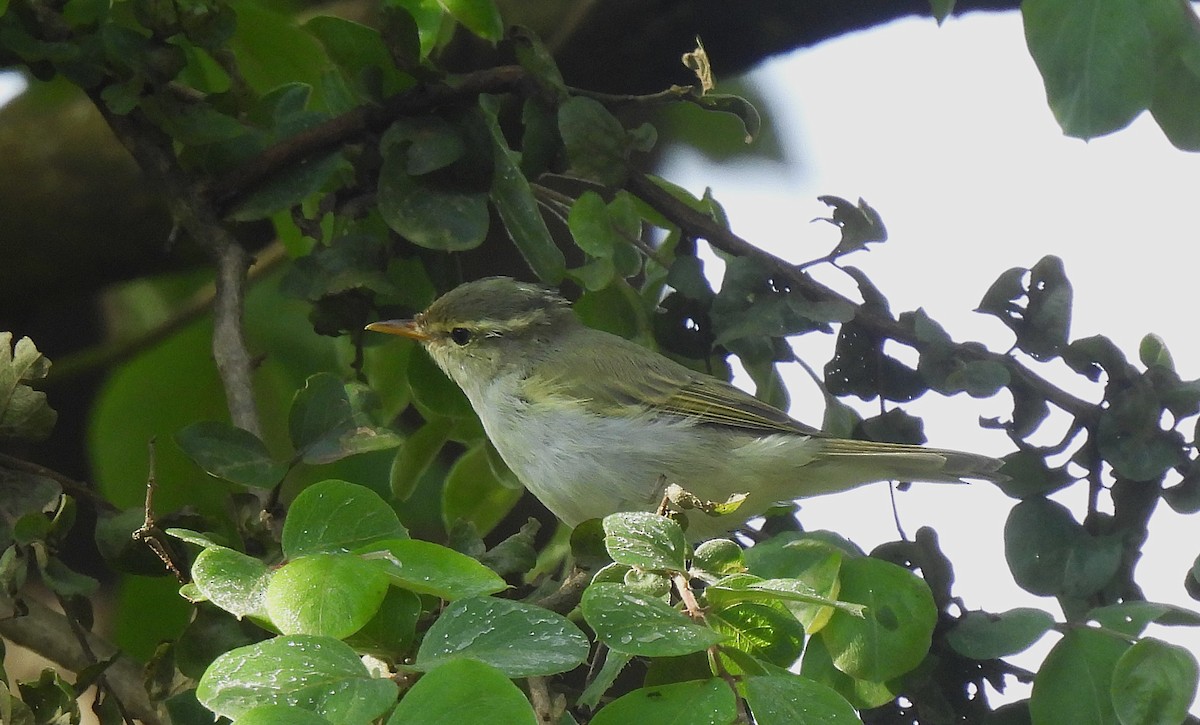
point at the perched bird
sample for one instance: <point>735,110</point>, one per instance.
<point>594,424</point>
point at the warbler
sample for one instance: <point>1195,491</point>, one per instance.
<point>595,424</point>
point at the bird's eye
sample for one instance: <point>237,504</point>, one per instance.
<point>460,335</point>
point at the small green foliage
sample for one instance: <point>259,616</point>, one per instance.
<point>335,516</point>
<point>463,691</point>
<point>1043,323</point>
<point>427,568</point>
<point>646,541</point>
<point>984,636</point>
<point>318,674</point>
<point>779,700</point>
<point>894,635</point>
<point>231,453</point>
<point>330,420</point>
<point>332,595</point>
<point>640,625</point>
<point>518,639</point>
<point>514,200</point>
<point>708,702</point>
<point>24,412</point>
<point>1049,553</point>
<point>594,140</point>
<point>1081,656</point>
<point>474,493</point>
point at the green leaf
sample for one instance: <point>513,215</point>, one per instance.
<point>746,587</point>
<point>896,633</point>
<point>516,204</point>
<point>1096,58</point>
<point>357,49</point>
<point>1152,351</point>
<point>1029,476</point>
<point>317,673</point>
<point>1038,539</point>
<point>984,636</point>
<point>460,692</point>
<point>426,213</point>
<point>614,662</point>
<point>590,227</point>
<point>1073,685</point>
<point>289,187</point>
<point>393,629</point>
<point>333,595</point>
<point>862,694</point>
<point>280,715</point>
<point>518,639</point>
<point>1043,324</point>
<point>473,492</point>
<point>428,143</point>
<point>1132,617</point>
<point>272,50</point>
<point>1050,553</point>
<point>596,143</point>
<point>228,452</point>
<point>640,625</point>
<point>860,224</point>
<point>794,700</point>
<point>1178,84</point>
<point>646,541</point>
<point>428,568</point>
<point>330,420</point>
<point>717,558</point>
<point>1153,683</point>
<point>1130,437</point>
<point>24,412</point>
<point>479,16</point>
<point>335,516</point>
<point>699,702</point>
<point>736,105</point>
<point>415,455</point>
<point>814,562</point>
<point>233,581</point>
<point>768,632</point>
<point>941,9</point>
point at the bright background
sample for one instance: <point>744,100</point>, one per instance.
<point>946,132</point>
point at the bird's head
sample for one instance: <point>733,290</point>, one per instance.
<point>478,330</point>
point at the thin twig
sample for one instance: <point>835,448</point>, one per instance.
<point>690,605</point>
<point>78,489</point>
<point>339,130</point>
<point>568,594</point>
<point>233,360</point>
<point>149,533</point>
<point>544,705</point>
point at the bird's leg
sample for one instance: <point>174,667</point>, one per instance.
<point>664,507</point>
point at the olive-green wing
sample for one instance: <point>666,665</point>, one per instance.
<point>622,378</point>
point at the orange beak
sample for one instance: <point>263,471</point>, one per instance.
<point>403,328</point>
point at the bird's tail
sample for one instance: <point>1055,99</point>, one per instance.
<point>842,464</point>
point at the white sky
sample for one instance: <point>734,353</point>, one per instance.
<point>946,132</point>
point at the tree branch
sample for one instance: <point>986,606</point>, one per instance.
<point>699,225</point>
<point>192,211</point>
<point>337,131</point>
